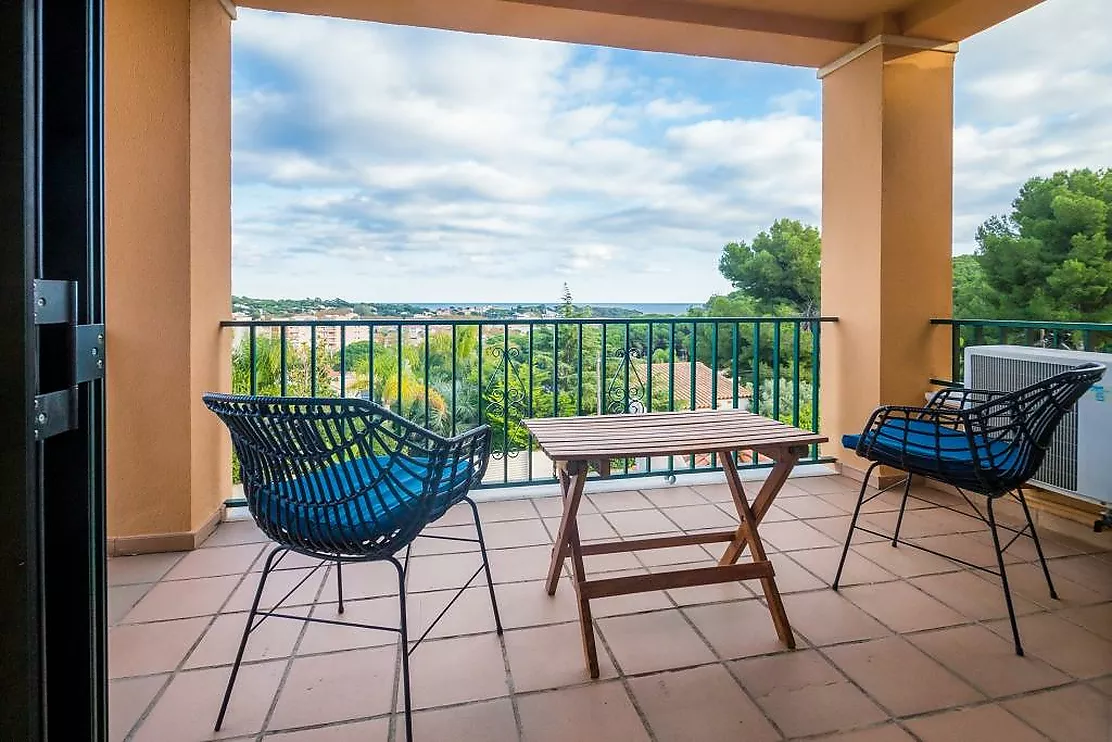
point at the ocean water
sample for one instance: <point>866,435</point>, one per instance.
<point>645,308</point>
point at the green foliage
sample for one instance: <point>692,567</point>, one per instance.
<point>973,297</point>
<point>1051,258</point>
<point>779,267</point>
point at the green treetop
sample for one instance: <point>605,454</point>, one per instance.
<point>1051,258</point>
<point>780,266</point>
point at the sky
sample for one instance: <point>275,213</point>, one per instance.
<point>394,164</point>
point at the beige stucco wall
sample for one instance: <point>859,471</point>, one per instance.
<point>168,260</point>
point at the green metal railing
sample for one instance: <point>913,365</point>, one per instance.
<point>1088,336</point>
<point>453,374</point>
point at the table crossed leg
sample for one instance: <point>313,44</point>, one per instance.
<point>573,475</point>
<point>749,519</point>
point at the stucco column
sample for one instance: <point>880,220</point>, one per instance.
<point>168,267</point>
<point>887,193</point>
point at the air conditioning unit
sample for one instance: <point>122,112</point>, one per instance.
<point>1079,461</point>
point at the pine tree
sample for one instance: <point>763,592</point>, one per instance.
<point>568,308</point>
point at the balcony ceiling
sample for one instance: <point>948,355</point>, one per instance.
<point>808,33</point>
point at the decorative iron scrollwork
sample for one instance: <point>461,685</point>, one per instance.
<point>623,397</point>
<point>506,397</point>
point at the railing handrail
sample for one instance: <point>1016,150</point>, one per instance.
<point>1024,324</point>
<point>445,322</point>
<point>1079,333</point>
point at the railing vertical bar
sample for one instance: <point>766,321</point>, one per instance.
<point>312,360</point>
<point>455,381</point>
<point>529,398</point>
<point>603,379</point>
<point>426,373</point>
<point>755,401</point>
<point>252,357</point>
<point>734,342</point>
<point>343,361</point>
<point>555,369</point>
<point>671,381</point>
<point>649,382</point>
<point>649,368</point>
<point>691,386</point>
<point>815,347</point>
<point>628,360</point>
<point>714,328</point>
<point>714,364</point>
<point>401,362</point>
<point>796,329</point>
<point>372,332</point>
<point>1086,340</point>
<point>479,371</point>
<point>505,402</point>
<point>283,367</point>
<point>776,369</point>
<point>579,371</point>
<point>955,351</point>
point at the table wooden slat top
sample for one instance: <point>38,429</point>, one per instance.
<point>593,437</point>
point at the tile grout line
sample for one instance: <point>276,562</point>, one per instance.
<point>1043,610</point>
<point>265,727</point>
<point>192,648</point>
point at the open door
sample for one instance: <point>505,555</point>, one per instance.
<point>52,540</point>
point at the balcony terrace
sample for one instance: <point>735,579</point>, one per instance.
<point>913,647</point>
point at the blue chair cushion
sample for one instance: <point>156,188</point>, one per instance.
<point>317,505</point>
<point>928,446</point>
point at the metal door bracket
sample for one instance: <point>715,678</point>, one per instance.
<point>88,353</point>
<point>55,413</point>
<point>54,302</point>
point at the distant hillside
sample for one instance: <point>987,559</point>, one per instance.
<point>287,307</point>
<point>257,308</point>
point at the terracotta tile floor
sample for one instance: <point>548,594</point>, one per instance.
<point>914,647</point>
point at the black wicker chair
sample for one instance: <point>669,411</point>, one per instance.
<point>346,480</point>
<point>985,442</point>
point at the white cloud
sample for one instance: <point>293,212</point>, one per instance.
<point>373,163</point>
<point>387,163</point>
<point>663,108</point>
<point>1033,96</point>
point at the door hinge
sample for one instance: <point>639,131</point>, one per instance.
<point>54,302</point>
<point>88,353</point>
<point>54,413</point>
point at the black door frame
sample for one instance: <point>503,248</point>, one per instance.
<point>52,534</point>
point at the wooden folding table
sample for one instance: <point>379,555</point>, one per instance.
<point>575,443</point>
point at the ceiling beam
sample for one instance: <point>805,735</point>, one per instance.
<point>955,20</point>
<point>718,16</point>
<point>555,23</point>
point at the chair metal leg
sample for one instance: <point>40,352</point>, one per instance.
<point>1038,546</point>
<point>404,630</point>
<point>340,585</point>
<point>486,564</point>
<point>853,524</point>
<point>903,507</point>
<point>1004,577</point>
<point>267,567</point>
